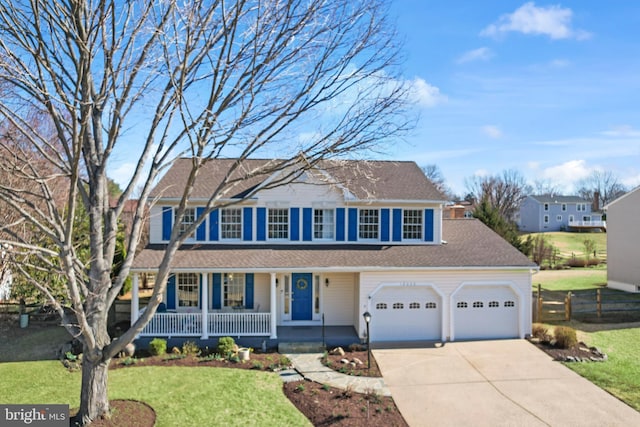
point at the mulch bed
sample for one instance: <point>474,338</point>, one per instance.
<point>131,413</point>
<point>335,362</point>
<point>578,353</point>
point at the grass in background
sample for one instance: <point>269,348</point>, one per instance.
<point>573,243</point>
<point>179,395</point>
<point>570,280</point>
<point>620,375</point>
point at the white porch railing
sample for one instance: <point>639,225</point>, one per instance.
<point>239,324</point>
<point>219,324</point>
<point>588,224</point>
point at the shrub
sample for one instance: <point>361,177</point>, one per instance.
<point>565,337</point>
<point>257,365</point>
<point>190,348</point>
<point>540,331</point>
<point>157,346</point>
<point>576,262</point>
<point>226,346</point>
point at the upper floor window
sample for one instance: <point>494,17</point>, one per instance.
<point>233,290</point>
<point>581,207</point>
<point>369,224</point>
<point>546,206</point>
<point>278,223</point>
<point>323,224</point>
<point>564,207</point>
<point>231,223</point>
<point>412,224</point>
<point>188,289</point>
<point>188,219</point>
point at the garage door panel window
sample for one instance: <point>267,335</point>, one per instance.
<point>381,306</point>
<point>462,304</point>
<point>398,306</point>
<point>493,304</point>
<point>430,305</point>
<point>478,304</point>
<point>509,304</point>
<point>414,305</point>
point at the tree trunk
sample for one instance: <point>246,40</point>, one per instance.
<point>94,401</point>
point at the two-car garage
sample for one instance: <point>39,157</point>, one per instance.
<point>422,312</point>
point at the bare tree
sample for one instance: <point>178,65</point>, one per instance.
<point>298,80</point>
<point>545,186</point>
<point>434,174</point>
<point>504,192</point>
<point>605,183</point>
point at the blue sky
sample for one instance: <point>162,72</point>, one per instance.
<point>548,88</point>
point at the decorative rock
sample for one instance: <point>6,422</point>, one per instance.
<point>570,359</point>
<point>129,349</point>
<point>344,361</point>
<point>357,361</point>
<point>352,364</point>
<point>338,351</point>
<point>175,350</point>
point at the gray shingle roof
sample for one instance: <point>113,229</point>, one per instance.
<point>381,180</point>
<point>469,244</point>
<point>551,198</point>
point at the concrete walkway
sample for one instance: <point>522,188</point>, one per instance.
<point>311,368</point>
<point>495,383</point>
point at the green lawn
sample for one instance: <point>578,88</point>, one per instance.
<point>573,243</point>
<point>179,395</point>
<point>620,375</point>
<point>570,280</point>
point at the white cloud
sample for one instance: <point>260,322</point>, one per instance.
<point>631,181</point>
<point>480,54</point>
<point>567,173</point>
<point>492,131</point>
<point>622,131</point>
<point>481,173</point>
<point>424,94</point>
<point>552,21</point>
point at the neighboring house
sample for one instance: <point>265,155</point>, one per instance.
<point>550,212</point>
<point>325,249</point>
<point>623,242</point>
<point>460,209</point>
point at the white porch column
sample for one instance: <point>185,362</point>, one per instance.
<point>274,325</point>
<point>205,306</point>
<point>135,299</point>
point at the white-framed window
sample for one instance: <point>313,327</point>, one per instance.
<point>188,219</point>
<point>581,207</point>
<point>368,226</point>
<point>558,218</point>
<point>233,290</point>
<point>546,219</point>
<point>188,289</point>
<point>571,218</point>
<point>323,224</point>
<point>546,207</point>
<point>564,207</point>
<point>231,224</point>
<point>412,224</point>
<point>278,223</point>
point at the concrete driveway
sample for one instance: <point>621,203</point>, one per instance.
<point>494,383</point>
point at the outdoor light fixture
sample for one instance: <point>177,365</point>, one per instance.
<point>276,283</point>
<point>326,282</point>
<point>367,320</point>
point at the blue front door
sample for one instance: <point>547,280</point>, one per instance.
<point>302,296</point>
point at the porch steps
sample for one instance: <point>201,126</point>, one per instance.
<point>301,347</point>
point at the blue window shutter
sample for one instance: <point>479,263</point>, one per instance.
<point>247,224</point>
<point>428,225</point>
<point>294,223</point>
<point>201,231</point>
<point>307,224</point>
<point>216,293</point>
<point>353,224</point>
<point>397,225</point>
<point>213,226</point>
<point>384,226</point>
<point>261,220</point>
<point>340,224</point>
<point>171,292</point>
<point>167,218</point>
<point>248,290</point>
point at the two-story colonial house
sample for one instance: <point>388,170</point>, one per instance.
<point>339,240</point>
<point>549,212</point>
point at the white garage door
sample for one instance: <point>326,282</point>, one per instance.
<point>410,313</point>
<point>485,312</point>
